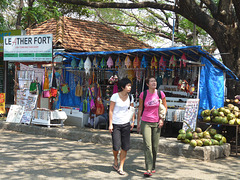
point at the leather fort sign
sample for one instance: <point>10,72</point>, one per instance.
<point>99,104</point>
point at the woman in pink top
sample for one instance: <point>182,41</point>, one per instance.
<point>151,123</point>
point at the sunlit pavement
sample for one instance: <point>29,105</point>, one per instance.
<point>25,156</point>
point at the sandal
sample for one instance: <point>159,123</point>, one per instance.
<point>153,171</point>
<point>115,167</point>
<point>147,174</point>
<point>121,172</point>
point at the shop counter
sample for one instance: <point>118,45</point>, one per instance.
<point>75,117</point>
<point>48,117</point>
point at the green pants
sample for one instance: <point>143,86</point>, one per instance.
<point>151,135</point>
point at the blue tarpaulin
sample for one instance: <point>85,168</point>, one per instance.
<point>211,87</point>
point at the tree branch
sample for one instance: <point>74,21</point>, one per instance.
<point>236,4</point>
<point>211,6</point>
<point>144,4</point>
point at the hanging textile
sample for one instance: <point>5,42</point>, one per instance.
<point>173,61</point>
<point>136,62</point>
<point>128,62</point>
<point>103,63</point>
<point>118,63</point>
<point>211,87</point>
<point>74,63</point>
<point>162,64</point>
<point>144,62</point>
<point>87,65</point>
<point>110,62</point>
<point>154,63</point>
<point>182,61</point>
<point>81,64</point>
<point>95,62</point>
<point>46,81</point>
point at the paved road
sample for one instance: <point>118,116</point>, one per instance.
<point>25,156</point>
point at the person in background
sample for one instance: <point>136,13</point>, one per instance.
<point>151,123</point>
<point>119,125</point>
<point>103,118</point>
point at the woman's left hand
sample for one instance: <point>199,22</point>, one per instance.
<point>161,122</point>
<point>132,126</point>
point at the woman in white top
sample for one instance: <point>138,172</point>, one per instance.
<point>119,125</point>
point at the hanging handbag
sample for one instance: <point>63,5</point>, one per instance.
<point>64,86</point>
<point>92,104</point>
<point>46,81</point>
<point>86,104</point>
<point>131,109</point>
<point>99,103</point>
<point>54,80</point>
<point>46,94</point>
<point>65,89</point>
<point>53,92</point>
<point>33,87</point>
<point>77,90</point>
<point>162,109</point>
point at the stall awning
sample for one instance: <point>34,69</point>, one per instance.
<point>192,53</point>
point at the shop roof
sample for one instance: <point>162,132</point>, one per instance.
<point>192,53</point>
<point>84,36</point>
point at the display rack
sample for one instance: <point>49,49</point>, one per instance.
<point>48,118</point>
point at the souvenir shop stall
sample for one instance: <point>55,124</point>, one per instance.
<point>37,80</point>
<point>36,93</point>
<point>182,73</point>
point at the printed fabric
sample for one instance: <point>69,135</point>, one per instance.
<point>151,106</point>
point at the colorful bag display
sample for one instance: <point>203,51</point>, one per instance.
<point>53,92</point>
<point>46,94</point>
<point>33,87</point>
<point>92,104</point>
<point>46,80</point>
<point>65,89</point>
<point>54,80</point>
<point>86,103</point>
<point>78,90</point>
<point>99,103</point>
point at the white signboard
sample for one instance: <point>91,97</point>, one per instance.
<point>28,48</point>
<point>15,114</point>
<point>191,112</point>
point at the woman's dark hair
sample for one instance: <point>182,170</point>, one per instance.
<point>148,79</point>
<point>122,83</point>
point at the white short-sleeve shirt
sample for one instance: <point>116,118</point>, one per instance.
<point>120,111</point>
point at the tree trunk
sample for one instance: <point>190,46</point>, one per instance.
<point>19,16</point>
<point>230,53</point>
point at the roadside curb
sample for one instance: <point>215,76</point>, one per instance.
<point>166,145</point>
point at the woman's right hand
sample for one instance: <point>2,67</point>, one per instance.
<point>110,128</point>
<point>138,128</point>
